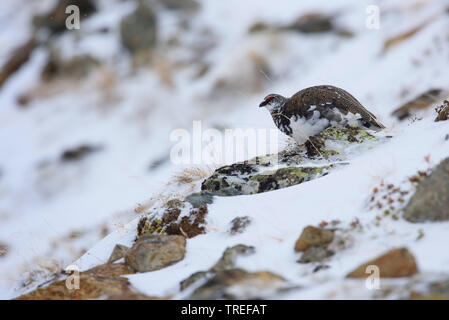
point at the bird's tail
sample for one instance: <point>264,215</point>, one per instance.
<point>372,124</point>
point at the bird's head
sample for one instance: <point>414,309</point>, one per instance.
<point>273,102</point>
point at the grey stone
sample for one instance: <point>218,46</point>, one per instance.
<point>200,198</point>
<point>431,199</point>
<point>118,252</point>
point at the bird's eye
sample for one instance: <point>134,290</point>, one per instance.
<point>268,98</point>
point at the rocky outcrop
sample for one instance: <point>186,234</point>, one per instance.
<point>431,199</point>
<point>395,263</point>
<point>154,252</point>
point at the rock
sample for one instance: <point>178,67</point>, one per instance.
<point>313,237</point>
<point>194,278</point>
<point>239,224</point>
<point>440,288</point>
<point>395,40</point>
<point>315,254</point>
<point>55,20</point>
<point>313,23</point>
<point>190,225</point>
<point>395,263</point>
<point>443,112</point>
<point>138,30</point>
<point>286,177</point>
<point>431,199</point>
<point>184,5</point>
<point>262,173</point>
<point>77,67</point>
<point>103,281</point>
<point>230,255</point>
<point>229,185</point>
<point>118,252</point>
<point>251,285</point>
<point>199,199</point>
<point>18,58</point>
<point>154,252</point>
<point>78,153</point>
<point>3,250</point>
<point>421,102</point>
<point>307,23</point>
<point>227,261</point>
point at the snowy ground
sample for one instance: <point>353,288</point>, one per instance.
<point>42,200</point>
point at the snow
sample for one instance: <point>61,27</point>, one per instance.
<point>42,199</point>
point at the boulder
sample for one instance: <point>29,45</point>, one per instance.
<point>313,237</point>
<point>395,263</point>
<point>430,202</point>
<point>252,285</point>
<point>154,252</point>
<point>286,168</point>
<point>138,30</point>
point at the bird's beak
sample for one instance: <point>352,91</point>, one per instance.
<point>263,104</point>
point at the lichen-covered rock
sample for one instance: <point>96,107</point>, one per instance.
<point>55,20</point>
<point>313,242</point>
<point>313,237</point>
<point>431,199</point>
<point>285,177</point>
<point>153,252</point>
<point>285,169</point>
<point>395,263</point>
<point>251,285</point>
